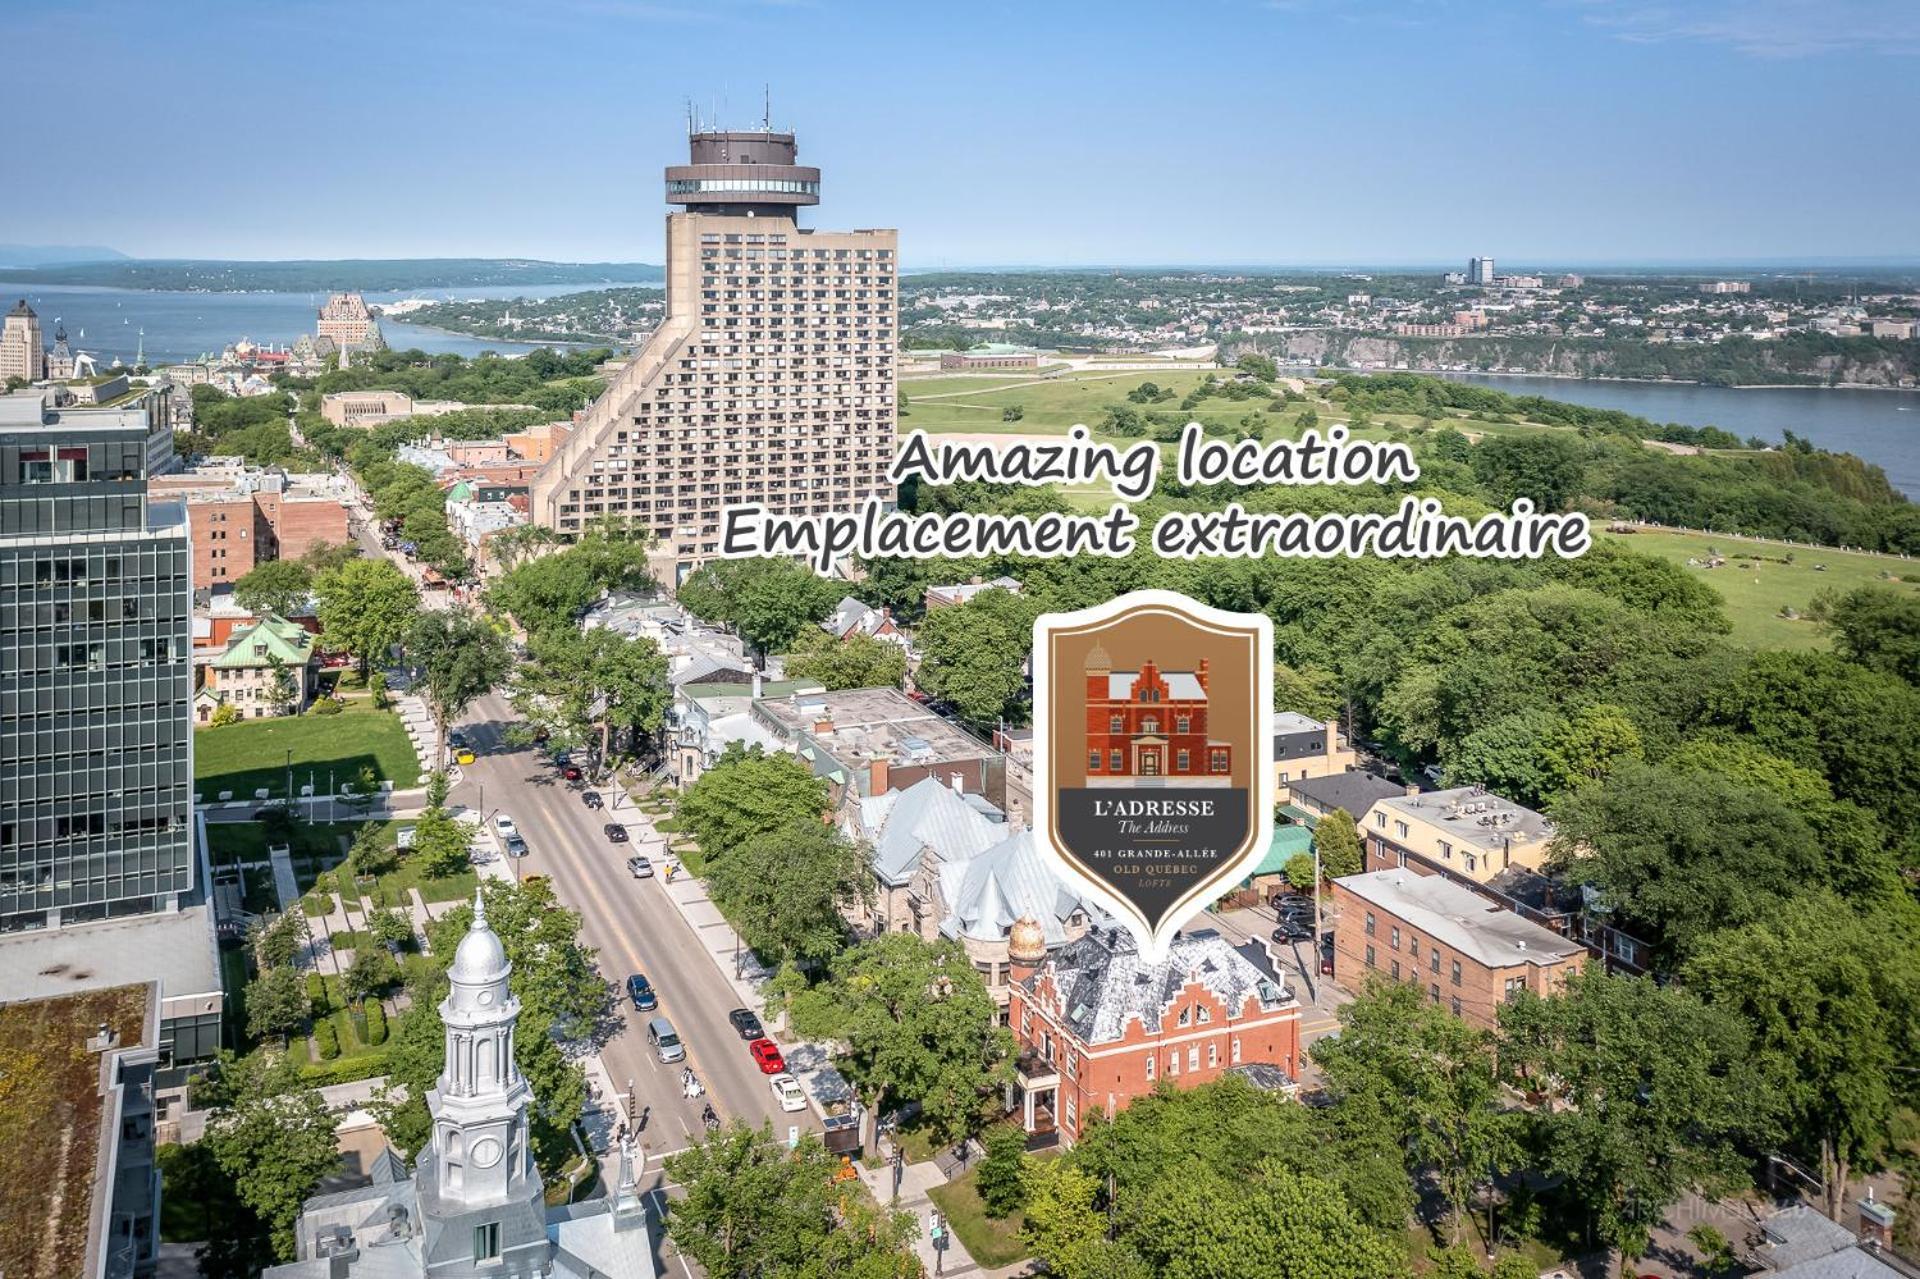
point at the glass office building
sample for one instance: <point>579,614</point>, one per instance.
<point>96,752</point>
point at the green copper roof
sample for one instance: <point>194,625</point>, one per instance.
<point>270,637</point>
<point>1287,840</point>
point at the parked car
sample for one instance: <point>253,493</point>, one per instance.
<point>1291,931</point>
<point>464,755</point>
<point>571,772</point>
<point>503,826</point>
<point>1290,901</point>
<point>592,799</point>
<point>786,1092</point>
<point>746,1025</point>
<point>641,992</point>
<point>517,847</point>
<point>665,1040</point>
<point>615,832</point>
<point>640,867</point>
<point>766,1055</point>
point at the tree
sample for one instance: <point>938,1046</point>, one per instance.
<point>1299,870</point>
<point>1875,626</point>
<point>597,681</point>
<point>441,844</point>
<point>752,1209</point>
<point>785,890</point>
<point>1399,1053</point>
<point>276,1002</point>
<point>1205,1224</point>
<point>911,1015</point>
<point>278,941</point>
<point>974,655</point>
<point>1830,998</point>
<point>1065,1229</point>
<point>391,926</point>
<point>858,661</point>
<point>366,607</point>
<point>280,684</point>
<point>747,793</point>
<point>274,1138</point>
<point>551,591</point>
<point>1595,741</point>
<point>1000,1176</point>
<point>1546,467</point>
<point>770,602</point>
<point>280,587</point>
<point>1259,366</point>
<point>372,972</point>
<point>1653,1088</point>
<point>461,657</point>
<point>1339,842</point>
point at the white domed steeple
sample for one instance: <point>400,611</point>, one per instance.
<point>481,959</point>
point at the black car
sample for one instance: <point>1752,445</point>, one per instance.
<point>746,1024</point>
<point>1291,901</point>
<point>640,991</point>
<point>592,799</point>
<point>516,846</point>
<point>1290,931</point>
<point>615,832</point>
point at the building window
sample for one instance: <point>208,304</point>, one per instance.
<point>1434,989</point>
<point>1193,1057</point>
<point>1456,972</point>
<point>1183,760</point>
<point>1394,940</point>
<point>1400,829</point>
<point>1456,1005</point>
<point>1115,761</point>
<point>1151,724</point>
<point>1233,1050</point>
<point>1380,820</point>
<point>1396,969</point>
<point>1370,963</point>
<point>1471,863</point>
<point>1152,1061</point>
<point>1514,986</point>
<point>1117,724</point>
<point>1205,1014</point>
<point>1093,761</point>
<point>486,1242</point>
<point>1370,924</point>
<point>1173,1064</point>
<point>1446,850</point>
<point>1413,947</point>
<point>1433,959</point>
<point>1071,1116</point>
<point>1219,761</point>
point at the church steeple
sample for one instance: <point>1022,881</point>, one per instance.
<point>480,1195</point>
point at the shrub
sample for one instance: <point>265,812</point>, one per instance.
<point>327,1041</point>
<point>377,685</point>
<point>317,997</point>
<point>223,715</point>
<point>326,706</point>
<point>376,1015</point>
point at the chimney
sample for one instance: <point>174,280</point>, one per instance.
<point>756,686</point>
<point>1412,790</point>
<point>879,776</point>
<point>1202,676</point>
<point>823,726</point>
<point>959,783</point>
<point>1876,1223</point>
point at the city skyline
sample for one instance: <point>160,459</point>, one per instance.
<point>1300,132</point>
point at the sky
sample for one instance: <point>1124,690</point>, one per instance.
<point>1313,132</point>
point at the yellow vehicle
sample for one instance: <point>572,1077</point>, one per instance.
<point>463,756</point>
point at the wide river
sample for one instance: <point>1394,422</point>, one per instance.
<point>107,323</point>
<point>1881,426</point>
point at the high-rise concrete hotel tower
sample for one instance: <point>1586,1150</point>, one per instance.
<point>771,381</point>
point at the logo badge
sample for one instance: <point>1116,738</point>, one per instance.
<point>1153,766</point>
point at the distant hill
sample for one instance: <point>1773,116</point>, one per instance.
<point>312,276</point>
<point>40,255</point>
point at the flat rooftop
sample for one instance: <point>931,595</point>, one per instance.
<point>1460,917</point>
<point>863,724</point>
<point>1473,815</point>
<point>1295,722</point>
<point>53,1167</point>
<point>174,948</point>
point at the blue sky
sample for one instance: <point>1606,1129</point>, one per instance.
<point>1209,131</point>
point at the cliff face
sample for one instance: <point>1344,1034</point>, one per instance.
<point>1809,359</point>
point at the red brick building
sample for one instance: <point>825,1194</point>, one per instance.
<point>1096,1026</point>
<point>1150,723</point>
<point>229,534</point>
<point>301,523</point>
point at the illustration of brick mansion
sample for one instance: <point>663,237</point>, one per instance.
<point>1149,727</point>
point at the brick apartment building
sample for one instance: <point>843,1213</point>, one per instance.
<point>1096,1026</point>
<point>1150,723</point>
<point>868,741</point>
<point>242,517</point>
<point>1468,833</point>
<point>1465,952</point>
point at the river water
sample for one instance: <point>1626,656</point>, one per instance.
<point>1881,426</point>
<point>107,323</point>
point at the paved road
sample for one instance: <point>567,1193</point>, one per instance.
<point>634,929</point>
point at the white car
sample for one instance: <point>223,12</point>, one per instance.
<point>503,827</point>
<point>786,1091</point>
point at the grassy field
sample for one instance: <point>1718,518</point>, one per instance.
<point>244,757</point>
<point>1757,581</point>
<point>989,1242</point>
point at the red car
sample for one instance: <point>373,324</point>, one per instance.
<point>571,772</point>
<point>766,1055</point>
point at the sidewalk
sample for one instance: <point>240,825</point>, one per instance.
<point>915,1182</point>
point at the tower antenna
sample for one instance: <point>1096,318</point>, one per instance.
<point>766,108</point>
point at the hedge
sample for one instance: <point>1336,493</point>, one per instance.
<point>328,1041</point>
<point>376,1023</point>
<point>317,1004</point>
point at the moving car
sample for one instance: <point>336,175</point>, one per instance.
<point>615,832</point>
<point>766,1055</point>
<point>503,826</point>
<point>640,867</point>
<point>746,1025</point>
<point>786,1091</point>
<point>463,755</point>
<point>592,799</point>
<point>665,1040</point>
<point>517,847</point>
<point>641,992</point>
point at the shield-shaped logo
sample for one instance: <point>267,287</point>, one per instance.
<point>1153,769</point>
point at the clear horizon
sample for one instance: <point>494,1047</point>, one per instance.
<point>1319,134</point>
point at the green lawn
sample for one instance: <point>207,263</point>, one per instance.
<point>989,1242</point>
<point>253,754</point>
<point>1756,581</point>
